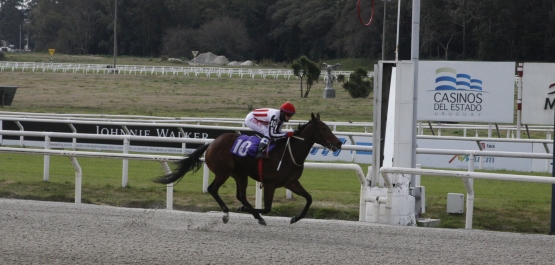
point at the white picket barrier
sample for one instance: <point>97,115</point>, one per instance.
<point>163,70</point>
<point>467,177</point>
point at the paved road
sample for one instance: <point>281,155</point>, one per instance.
<point>34,232</point>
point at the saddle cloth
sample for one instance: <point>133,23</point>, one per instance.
<point>247,145</point>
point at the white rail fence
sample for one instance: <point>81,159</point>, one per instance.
<point>157,70</point>
<point>469,130</point>
<point>234,124</point>
<point>125,156</point>
<point>466,176</point>
<point>363,179</point>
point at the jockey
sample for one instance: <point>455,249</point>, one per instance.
<point>268,122</point>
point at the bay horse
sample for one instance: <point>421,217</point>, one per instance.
<point>282,169</point>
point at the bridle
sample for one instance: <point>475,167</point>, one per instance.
<point>288,146</point>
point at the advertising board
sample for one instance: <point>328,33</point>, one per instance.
<point>461,161</point>
<point>466,91</point>
<point>538,93</point>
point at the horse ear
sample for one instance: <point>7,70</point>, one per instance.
<point>317,117</point>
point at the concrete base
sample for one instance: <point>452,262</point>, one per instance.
<point>401,212</point>
<point>329,93</point>
<point>428,222</point>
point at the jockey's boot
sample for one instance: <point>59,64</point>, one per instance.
<point>261,152</point>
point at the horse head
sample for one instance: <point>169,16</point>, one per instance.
<point>317,131</point>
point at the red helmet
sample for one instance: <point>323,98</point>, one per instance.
<point>288,108</point>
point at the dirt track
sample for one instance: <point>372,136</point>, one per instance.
<point>33,232</point>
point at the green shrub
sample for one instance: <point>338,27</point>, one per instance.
<point>359,84</point>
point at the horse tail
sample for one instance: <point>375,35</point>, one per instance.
<point>192,162</point>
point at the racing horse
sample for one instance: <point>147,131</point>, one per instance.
<point>283,169</point>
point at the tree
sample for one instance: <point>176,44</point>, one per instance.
<point>179,42</point>
<point>11,19</point>
<point>304,67</point>
<point>462,14</point>
<point>302,27</point>
<point>359,84</point>
<point>283,30</point>
<point>225,36</point>
<point>70,26</point>
<point>437,28</point>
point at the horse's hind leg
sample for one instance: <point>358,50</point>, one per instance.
<point>298,189</point>
<point>213,189</point>
<point>241,183</point>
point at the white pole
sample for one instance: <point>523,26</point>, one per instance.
<point>78,178</point>
<point>489,129</point>
<point>415,49</point>
<point>205,175</point>
<point>125,167</point>
<point>469,184</point>
<point>169,187</point>
<point>46,171</point>
<point>288,194</point>
<point>520,70</point>
<point>258,194</point>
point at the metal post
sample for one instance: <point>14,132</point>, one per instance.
<point>383,33</point>
<point>398,23</point>
<point>78,178</point>
<point>552,230</point>
<point>415,56</point>
<point>125,166</point>
<point>115,33</point>
<point>19,38</point>
<point>169,187</point>
<point>46,167</point>
<point>205,176</point>
<point>519,99</point>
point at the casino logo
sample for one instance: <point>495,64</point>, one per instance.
<point>457,94</point>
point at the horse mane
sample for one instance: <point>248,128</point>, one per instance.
<point>301,127</point>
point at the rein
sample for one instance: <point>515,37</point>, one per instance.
<point>288,146</point>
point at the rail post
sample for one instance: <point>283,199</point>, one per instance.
<point>46,170</point>
<point>125,167</point>
<point>78,178</point>
<point>169,187</point>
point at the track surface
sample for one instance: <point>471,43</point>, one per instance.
<point>34,232</point>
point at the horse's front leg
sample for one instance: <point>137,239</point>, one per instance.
<point>298,189</point>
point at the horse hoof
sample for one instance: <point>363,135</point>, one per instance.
<point>262,222</point>
<point>225,218</point>
<point>293,220</point>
